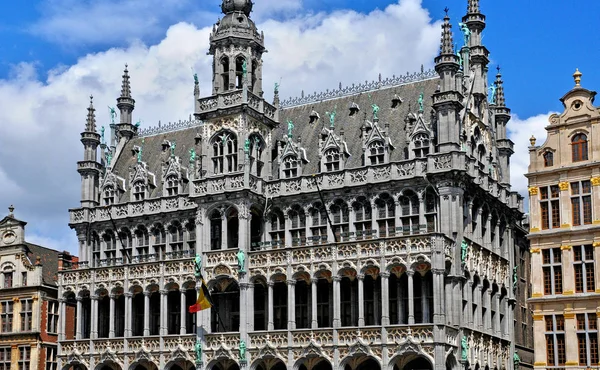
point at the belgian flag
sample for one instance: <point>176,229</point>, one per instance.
<point>204,299</point>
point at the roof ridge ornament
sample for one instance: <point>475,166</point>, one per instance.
<point>577,77</point>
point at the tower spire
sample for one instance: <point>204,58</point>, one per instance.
<point>90,124</point>
<point>473,7</point>
<point>500,101</point>
<point>126,104</point>
<point>447,42</point>
<point>125,85</point>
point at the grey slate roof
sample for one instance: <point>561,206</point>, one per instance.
<point>48,259</point>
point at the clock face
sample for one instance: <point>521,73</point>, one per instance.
<point>9,237</point>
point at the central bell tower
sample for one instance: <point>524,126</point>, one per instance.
<point>237,48</point>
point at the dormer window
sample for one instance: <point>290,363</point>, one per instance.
<point>109,196</point>
<point>290,166</point>
<point>139,191</point>
<point>421,143</point>
<point>548,159</point>
<point>224,153</point>
<point>376,152</point>
<point>579,146</point>
<point>172,186</point>
<point>332,160</point>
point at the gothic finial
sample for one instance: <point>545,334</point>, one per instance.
<point>11,210</point>
<point>577,76</point>
<point>499,84</point>
<point>446,46</point>
<point>473,6</point>
<point>125,86</point>
<point>90,125</point>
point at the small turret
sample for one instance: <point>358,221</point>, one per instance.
<point>501,116</point>
<point>89,168</point>
<point>478,59</point>
<point>126,104</point>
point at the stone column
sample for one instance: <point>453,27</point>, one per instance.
<point>361,300</point>
<point>128,314</point>
<point>313,292</point>
<point>94,317</point>
<point>470,319</point>
<point>224,243</point>
<point>478,318</point>
<point>146,313</point>
<point>497,330</point>
<point>182,319</point>
<point>411,298</point>
<point>78,331</point>
<point>439,311</point>
<point>539,340</point>
<point>422,220</point>
<point>488,313</point>
<point>385,298</point>
<point>63,318</point>
<point>336,301</point>
<point>270,325</point>
<point>111,316</point>
<point>250,315</point>
<point>164,312</point>
<point>291,304</point>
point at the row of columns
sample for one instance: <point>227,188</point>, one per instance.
<point>477,234</point>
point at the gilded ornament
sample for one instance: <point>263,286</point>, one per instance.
<point>563,185</point>
<point>533,190</point>
<point>595,181</point>
<point>532,140</point>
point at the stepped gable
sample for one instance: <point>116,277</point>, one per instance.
<point>153,155</point>
<point>351,125</point>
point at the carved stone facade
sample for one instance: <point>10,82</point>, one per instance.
<point>328,238</point>
<point>565,234</point>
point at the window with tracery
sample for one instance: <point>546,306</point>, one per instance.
<point>579,147</point>
<point>431,210</point>
<point>297,225</point>
<point>319,223</point>
<point>239,72</point>
<point>110,247</point>
<point>225,153</point>
<point>139,191</point>
<point>176,238</point>
<point>277,232</point>
<point>159,242</point>
<point>409,206</point>
<point>376,152</point>
<point>386,215</point>
<point>143,241</point>
<point>108,195</point>
<point>290,166</point>
<point>340,218</point>
<point>332,160</point>
<point>172,185</point>
<point>255,155</point>
<point>225,73</point>
<point>421,145</point>
<point>362,217</point>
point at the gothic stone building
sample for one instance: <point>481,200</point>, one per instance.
<point>370,227</point>
<point>28,299</point>
<point>564,188</point>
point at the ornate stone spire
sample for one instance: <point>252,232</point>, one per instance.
<point>126,104</point>
<point>500,101</point>
<point>473,7</point>
<point>447,41</point>
<point>90,124</point>
<point>125,85</point>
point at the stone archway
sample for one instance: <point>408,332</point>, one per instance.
<point>180,365</point>
<point>419,363</point>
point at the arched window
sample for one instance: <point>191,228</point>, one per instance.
<point>409,204</point>
<point>190,228</point>
<point>139,191</point>
<point>579,146</point>
<point>431,210</point>
<point>362,217</point>
<point>421,145</point>
<point>290,166</point>
<point>297,225</point>
<point>548,159</point>
<point>172,186</point>
<point>108,195</point>
<point>142,243</point>
<point>159,242</point>
<point>319,223</point>
<point>110,249</point>
<point>277,229</point>
<point>127,241</point>
<point>257,147</point>
<point>176,240</point>
<point>239,73</point>
<point>332,160</point>
<point>225,73</point>
<point>215,230</point>
<point>96,250</point>
<point>226,298</point>
<point>224,153</point>
<point>386,215</point>
<point>340,218</point>
<point>376,152</point>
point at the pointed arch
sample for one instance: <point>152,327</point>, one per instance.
<point>256,151</point>
<point>376,152</point>
<point>386,215</point>
<point>409,208</point>
<point>225,152</point>
<point>277,228</point>
<point>297,218</point>
<point>340,218</point>
<point>363,215</point>
<point>224,71</point>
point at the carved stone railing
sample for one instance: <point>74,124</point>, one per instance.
<point>169,127</point>
<point>236,97</point>
<point>154,344</point>
<point>360,88</point>
<point>219,184</point>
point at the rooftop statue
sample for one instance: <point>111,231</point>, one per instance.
<point>138,123</point>
<point>276,88</point>
<point>466,32</point>
<point>139,155</point>
<point>192,155</point>
<point>173,145</point>
<point>493,94</point>
<point>108,158</point>
<point>102,134</point>
<point>290,124</point>
<point>420,101</point>
<point>332,117</point>
<point>195,78</point>
<point>113,114</point>
<point>375,111</point>
<point>460,59</point>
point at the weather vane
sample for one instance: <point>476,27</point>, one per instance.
<point>446,10</point>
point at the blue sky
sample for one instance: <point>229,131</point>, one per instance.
<point>54,53</point>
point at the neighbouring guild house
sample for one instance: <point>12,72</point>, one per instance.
<point>564,195</point>
<point>368,227</point>
<point>29,303</point>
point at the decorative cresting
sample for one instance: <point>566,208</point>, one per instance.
<point>170,127</point>
<point>360,88</point>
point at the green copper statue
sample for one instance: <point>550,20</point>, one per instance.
<point>242,351</point>
<point>198,349</point>
<point>247,146</point>
<point>493,94</point>
<point>196,78</point>
<point>102,134</point>
<point>460,59</point>
<point>113,114</point>
<point>139,155</point>
<point>516,360</point>
<point>276,88</point>
<point>108,158</point>
<point>198,266</point>
<point>290,124</point>
<point>241,257</point>
<point>465,349</point>
<point>466,32</point>
<point>375,111</point>
<point>192,155</point>
<point>332,117</point>
<point>515,279</point>
<point>173,145</point>
<point>244,68</point>
<point>420,101</point>
<point>138,123</point>
<point>464,247</point>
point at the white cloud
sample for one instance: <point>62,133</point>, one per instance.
<point>519,131</point>
<point>42,117</point>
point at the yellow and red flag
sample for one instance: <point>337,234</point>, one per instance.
<point>204,299</point>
